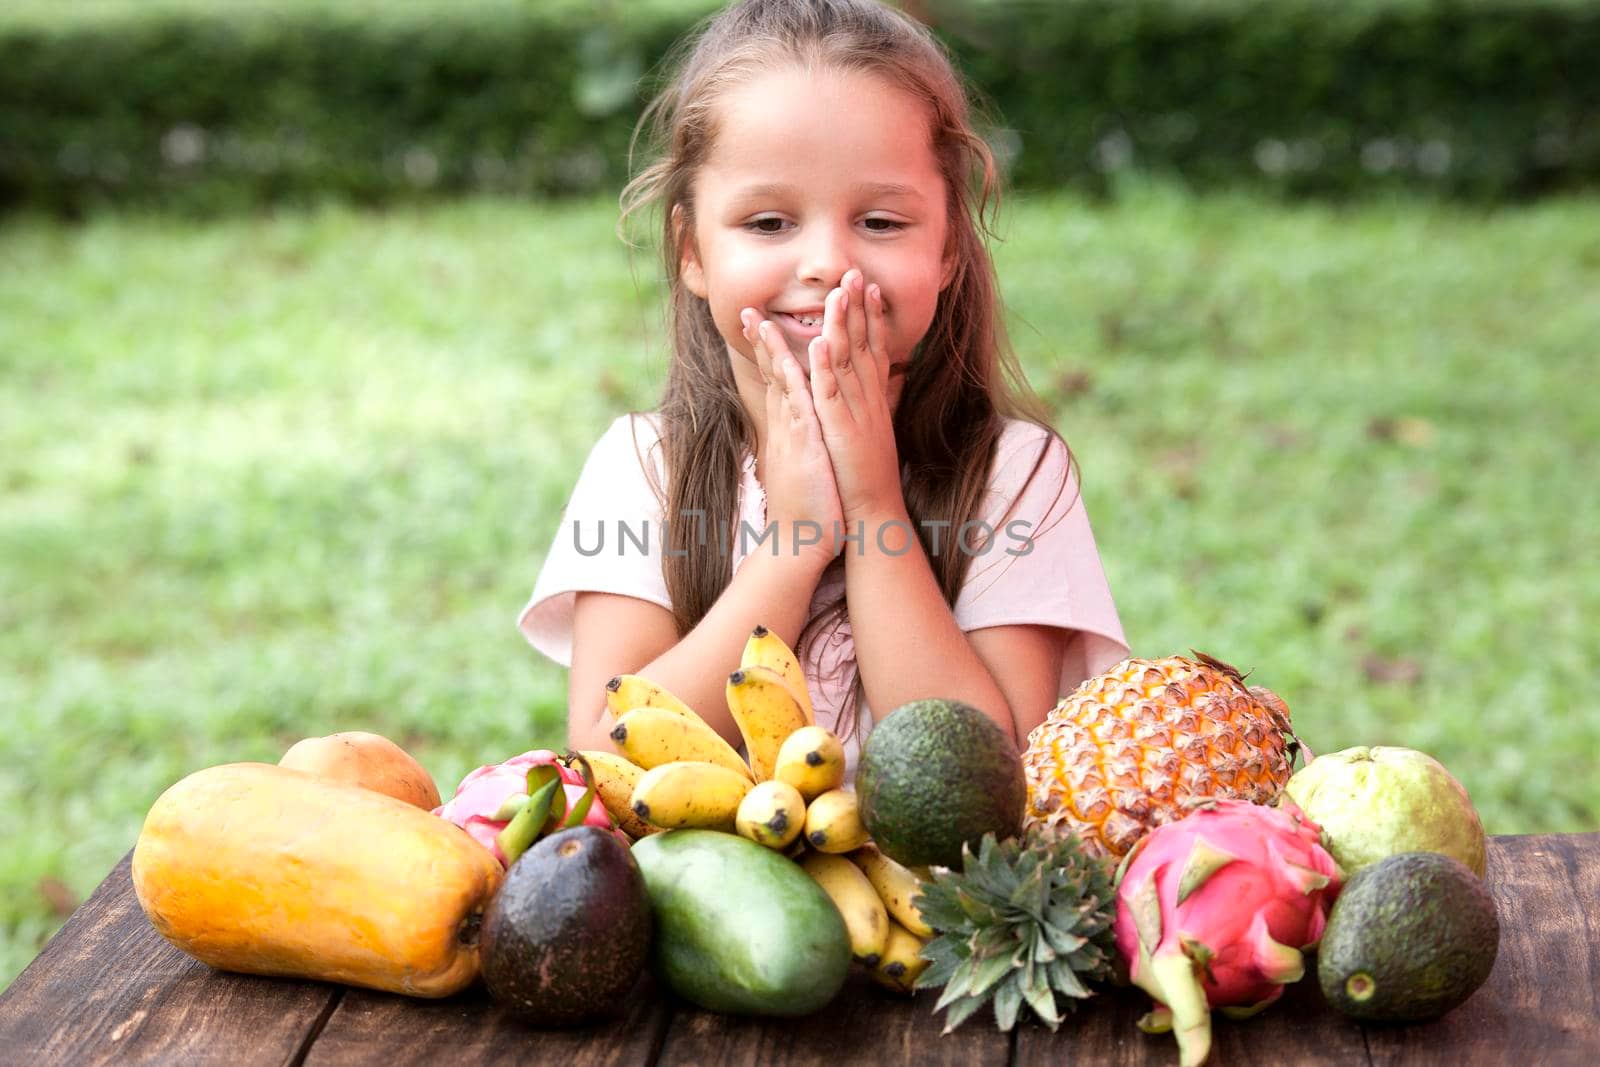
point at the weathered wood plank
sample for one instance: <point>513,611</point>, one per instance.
<point>369,1027</point>
<point>1541,1004</point>
<point>1300,1028</point>
<point>864,1024</point>
<point>1100,1030</point>
<point>107,989</point>
<point>1297,1029</point>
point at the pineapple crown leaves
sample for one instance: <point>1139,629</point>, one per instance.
<point>1023,921</point>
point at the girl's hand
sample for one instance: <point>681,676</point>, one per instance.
<point>850,390</point>
<point>802,495</point>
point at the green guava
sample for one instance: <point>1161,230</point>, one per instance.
<point>1376,802</point>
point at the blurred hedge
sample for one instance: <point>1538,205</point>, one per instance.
<point>259,102</point>
<point>213,106</point>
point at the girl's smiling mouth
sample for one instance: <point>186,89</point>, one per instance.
<point>807,325</point>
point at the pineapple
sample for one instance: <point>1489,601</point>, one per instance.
<point>1136,746</point>
<point>1024,922</point>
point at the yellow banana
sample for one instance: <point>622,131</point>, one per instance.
<point>900,964</point>
<point>895,885</point>
<point>833,823</point>
<point>651,737</point>
<point>614,779</point>
<point>853,895</point>
<point>771,814</point>
<point>628,691</point>
<point>766,649</point>
<point>767,713</point>
<point>812,760</point>
<point>689,793</point>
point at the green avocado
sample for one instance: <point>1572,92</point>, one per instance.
<point>568,933</point>
<point>935,774</point>
<point>1410,937</point>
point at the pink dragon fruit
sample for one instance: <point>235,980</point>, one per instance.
<point>1214,909</point>
<point>481,808</point>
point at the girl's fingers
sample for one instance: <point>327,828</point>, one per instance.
<point>755,331</point>
<point>777,348</point>
<point>834,327</point>
<point>877,331</point>
<point>797,396</point>
<point>840,353</point>
<point>825,381</point>
<point>774,402</point>
<point>862,354</point>
<point>786,411</point>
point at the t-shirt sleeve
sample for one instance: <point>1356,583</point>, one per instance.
<point>608,540</point>
<point>1042,566</point>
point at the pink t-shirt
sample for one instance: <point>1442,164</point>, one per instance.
<point>609,541</point>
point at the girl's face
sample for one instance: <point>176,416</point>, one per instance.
<point>813,174</point>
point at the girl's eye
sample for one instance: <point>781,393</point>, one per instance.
<point>772,226</point>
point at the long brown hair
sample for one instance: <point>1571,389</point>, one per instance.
<point>963,381</point>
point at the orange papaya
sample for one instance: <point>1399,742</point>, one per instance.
<point>269,870</point>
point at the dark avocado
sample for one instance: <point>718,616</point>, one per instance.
<point>568,933</point>
<point>935,774</point>
<point>1410,937</point>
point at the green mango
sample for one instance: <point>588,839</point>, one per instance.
<point>739,929</point>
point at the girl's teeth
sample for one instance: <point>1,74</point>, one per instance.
<point>806,320</point>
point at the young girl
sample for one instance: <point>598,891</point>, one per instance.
<point>839,454</point>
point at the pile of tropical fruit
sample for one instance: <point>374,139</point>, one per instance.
<point>1154,830</point>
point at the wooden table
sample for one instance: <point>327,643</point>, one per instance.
<point>107,989</point>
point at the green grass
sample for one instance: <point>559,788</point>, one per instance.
<point>280,476</point>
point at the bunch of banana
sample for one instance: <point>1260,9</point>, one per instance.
<point>676,771</point>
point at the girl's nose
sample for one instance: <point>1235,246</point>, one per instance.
<point>824,257</point>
